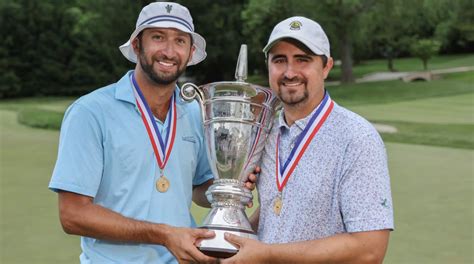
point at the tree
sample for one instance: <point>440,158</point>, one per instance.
<point>99,29</point>
<point>345,16</point>
<point>10,83</point>
<point>339,18</point>
<point>62,47</point>
<point>220,24</point>
<point>71,47</point>
<point>455,26</point>
<point>425,49</point>
<point>386,31</point>
<point>259,17</point>
<point>34,46</point>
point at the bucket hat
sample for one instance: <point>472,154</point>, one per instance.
<point>166,15</point>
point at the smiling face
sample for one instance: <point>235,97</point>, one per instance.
<point>297,76</point>
<point>163,53</point>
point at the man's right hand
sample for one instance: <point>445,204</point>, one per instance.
<point>80,216</point>
<point>182,243</point>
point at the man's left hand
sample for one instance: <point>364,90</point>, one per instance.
<point>250,250</point>
<point>251,182</point>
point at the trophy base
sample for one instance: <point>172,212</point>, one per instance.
<point>218,247</point>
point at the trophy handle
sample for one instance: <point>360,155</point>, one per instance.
<point>189,92</point>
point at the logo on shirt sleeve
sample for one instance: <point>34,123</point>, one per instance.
<point>384,203</point>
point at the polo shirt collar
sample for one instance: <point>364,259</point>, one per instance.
<point>124,92</point>
<point>300,123</point>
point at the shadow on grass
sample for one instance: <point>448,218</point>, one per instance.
<point>442,135</point>
<point>40,118</point>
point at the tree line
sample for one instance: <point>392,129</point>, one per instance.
<point>54,47</point>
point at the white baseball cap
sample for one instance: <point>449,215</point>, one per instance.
<point>302,29</point>
<point>166,15</point>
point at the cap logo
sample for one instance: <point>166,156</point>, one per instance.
<point>295,25</point>
<point>168,8</point>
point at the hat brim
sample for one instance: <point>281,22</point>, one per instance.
<point>198,42</point>
<point>301,39</point>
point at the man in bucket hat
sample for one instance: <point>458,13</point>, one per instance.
<point>132,155</point>
<point>324,190</point>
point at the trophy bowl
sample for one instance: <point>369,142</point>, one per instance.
<point>237,117</point>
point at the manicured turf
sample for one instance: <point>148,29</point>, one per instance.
<point>29,228</point>
<point>457,109</point>
<point>432,191</point>
<point>439,121</point>
<point>40,118</point>
<point>445,135</point>
<point>432,186</point>
<point>407,64</point>
<point>362,94</point>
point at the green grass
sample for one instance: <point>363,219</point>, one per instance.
<point>29,224</point>
<point>47,103</point>
<point>460,76</point>
<point>444,135</point>
<point>43,112</point>
<point>432,191</point>
<point>432,187</point>
<point>457,109</point>
<point>446,101</point>
<point>406,64</point>
<point>398,91</point>
<point>40,118</point>
<point>438,113</point>
<point>401,65</point>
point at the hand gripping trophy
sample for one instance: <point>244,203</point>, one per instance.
<point>237,117</point>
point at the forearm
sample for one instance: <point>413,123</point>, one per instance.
<point>363,247</point>
<point>199,194</point>
<point>91,220</point>
<point>254,219</point>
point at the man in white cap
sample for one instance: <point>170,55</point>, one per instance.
<point>324,189</point>
<point>132,155</point>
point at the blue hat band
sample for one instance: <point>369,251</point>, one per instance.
<point>169,19</point>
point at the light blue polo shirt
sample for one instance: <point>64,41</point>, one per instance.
<point>105,153</point>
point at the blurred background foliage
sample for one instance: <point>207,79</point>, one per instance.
<point>54,47</point>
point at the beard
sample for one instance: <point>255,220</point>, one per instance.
<point>293,98</point>
<point>160,78</point>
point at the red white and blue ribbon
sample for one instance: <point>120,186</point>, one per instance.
<point>163,148</point>
<point>284,172</point>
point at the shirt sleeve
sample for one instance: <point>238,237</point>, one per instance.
<point>365,201</point>
<point>79,164</point>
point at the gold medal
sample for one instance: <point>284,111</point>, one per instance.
<point>162,184</point>
<point>277,205</point>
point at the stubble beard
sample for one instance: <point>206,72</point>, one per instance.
<point>159,77</point>
<point>291,99</point>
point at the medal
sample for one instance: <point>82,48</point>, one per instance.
<point>162,146</point>
<point>284,172</point>
<point>277,204</point>
<point>162,184</point>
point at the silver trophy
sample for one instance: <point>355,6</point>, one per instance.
<point>237,118</point>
